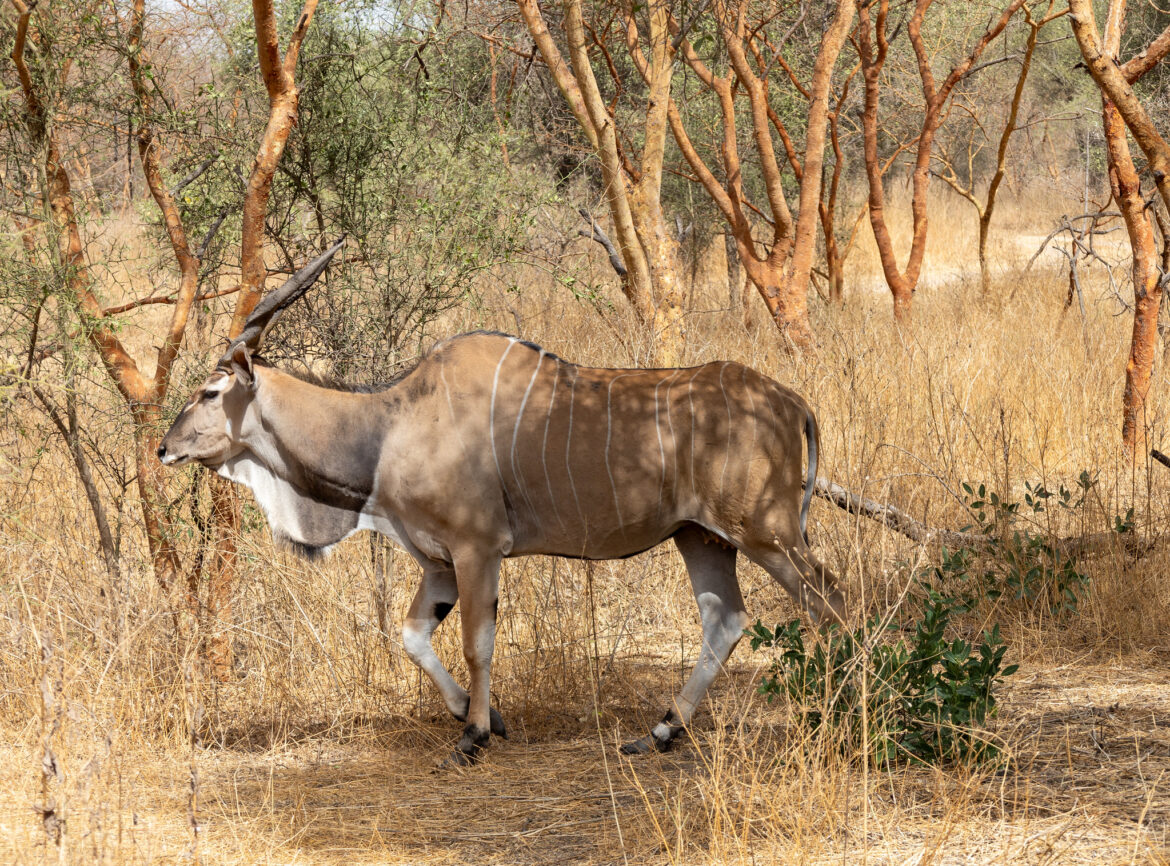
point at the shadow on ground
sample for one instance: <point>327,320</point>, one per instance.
<point>1090,750</point>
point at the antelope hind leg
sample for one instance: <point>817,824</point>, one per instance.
<point>807,580</point>
<point>711,565</point>
<point>437,595</point>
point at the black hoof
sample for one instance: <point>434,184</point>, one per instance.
<point>497,723</point>
<point>648,743</point>
<point>471,744</point>
<point>457,760</point>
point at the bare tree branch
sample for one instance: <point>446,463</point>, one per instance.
<point>195,174</point>
<point>211,232</point>
<point>165,299</point>
<point>597,233</point>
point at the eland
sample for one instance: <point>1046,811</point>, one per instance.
<point>490,448</point>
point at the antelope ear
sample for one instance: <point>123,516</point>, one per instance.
<point>241,362</point>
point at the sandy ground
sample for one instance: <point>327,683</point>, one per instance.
<point>1087,782</point>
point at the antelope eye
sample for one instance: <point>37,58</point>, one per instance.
<point>208,395</point>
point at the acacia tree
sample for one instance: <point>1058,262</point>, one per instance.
<point>649,266</point>
<point>985,207</point>
<point>277,72</point>
<point>1122,109</point>
<point>780,271</point>
<point>873,48</point>
<point>142,388</point>
<point>835,255</point>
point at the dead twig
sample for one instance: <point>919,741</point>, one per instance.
<point>1066,225</point>
<point>195,173</point>
<point>597,233</point>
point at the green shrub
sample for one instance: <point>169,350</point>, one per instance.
<point>1024,563</point>
<point>926,700</point>
<point>1021,558</point>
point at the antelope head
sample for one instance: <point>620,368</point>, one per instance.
<point>208,428</point>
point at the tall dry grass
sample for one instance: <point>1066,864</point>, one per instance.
<point>117,746</point>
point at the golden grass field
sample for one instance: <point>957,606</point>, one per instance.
<point>322,748</point>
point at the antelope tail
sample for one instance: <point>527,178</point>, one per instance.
<point>813,434</point>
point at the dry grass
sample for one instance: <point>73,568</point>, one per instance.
<point>322,748</point>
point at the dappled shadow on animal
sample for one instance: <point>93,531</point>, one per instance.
<point>491,447</point>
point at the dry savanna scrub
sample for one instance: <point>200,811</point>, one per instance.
<point>119,747</point>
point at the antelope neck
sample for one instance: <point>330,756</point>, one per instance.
<point>325,442</point>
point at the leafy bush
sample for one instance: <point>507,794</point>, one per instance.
<point>924,701</point>
<point>1020,559</point>
<point>1024,562</point>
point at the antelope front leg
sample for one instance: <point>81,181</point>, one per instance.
<point>478,579</point>
<point>437,595</point>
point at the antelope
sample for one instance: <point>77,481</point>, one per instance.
<point>490,448</point>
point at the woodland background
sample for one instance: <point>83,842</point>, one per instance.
<point>943,222</point>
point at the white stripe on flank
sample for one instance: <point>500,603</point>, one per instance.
<point>516,433</point>
<point>450,405</point>
<point>544,445</point>
<point>492,411</point>
<point>775,427</point>
<point>752,450</point>
<point>691,399</point>
<point>568,466</point>
<point>726,450</point>
<point>673,438</point>
<point>658,430</point>
<point>617,506</point>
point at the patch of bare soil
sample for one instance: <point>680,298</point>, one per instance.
<point>1086,782</point>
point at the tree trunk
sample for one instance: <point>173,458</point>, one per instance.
<point>984,264</point>
<point>834,264</point>
<point>812,171</point>
<point>1120,103</point>
<point>745,299</point>
<point>649,252</point>
<point>1126,188</point>
<point>787,306</point>
<point>662,260</point>
<point>902,283</point>
<point>283,102</point>
<point>163,555</point>
<point>903,293</point>
<point>135,390</point>
<point>781,275</point>
<point>836,276</point>
<point>871,68</point>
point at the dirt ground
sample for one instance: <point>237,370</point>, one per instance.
<point>1086,782</point>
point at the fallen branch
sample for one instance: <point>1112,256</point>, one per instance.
<point>895,518</point>
<point>1160,457</point>
<point>898,520</point>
